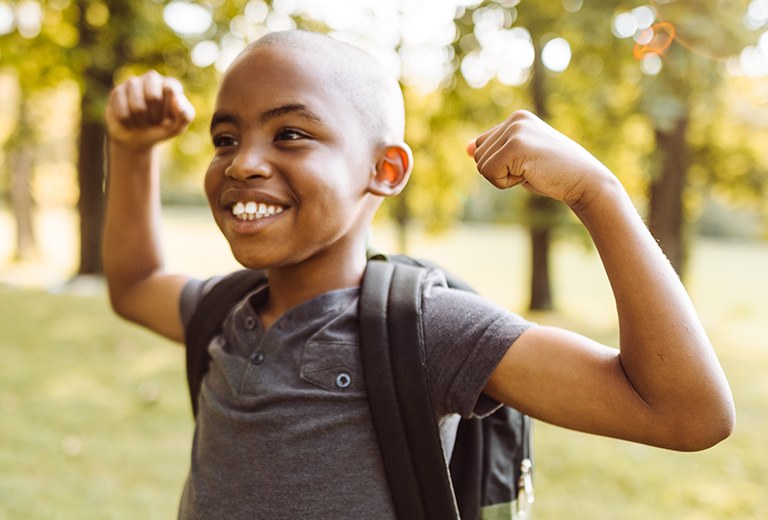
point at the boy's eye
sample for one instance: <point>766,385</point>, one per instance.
<point>223,141</point>
<point>289,134</point>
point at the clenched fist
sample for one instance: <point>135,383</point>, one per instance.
<point>146,110</point>
<point>525,150</point>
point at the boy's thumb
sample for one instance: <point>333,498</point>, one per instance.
<point>471,148</point>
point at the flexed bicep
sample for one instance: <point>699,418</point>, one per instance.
<point>566,379</point>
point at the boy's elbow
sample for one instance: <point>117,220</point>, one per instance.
<point>722,426</point>
<point>124,293</point>
<point>703,440</point>
<point>119,303</point>
<point>706,431</point>
<point>123,300</point>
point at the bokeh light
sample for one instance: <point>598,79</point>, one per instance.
<point>757,14</point>
<point>187,19</point>
<point>644,15</point>
<point>205,53</point>
<point>556,54</point>
<point>651,64</point>
<point>654,40</point>
<point>638,24</point>
<point>256,11</point>
<point>413,39</point>
<point>624,25</point>
<point>7,22</point>
<point>29,18</point>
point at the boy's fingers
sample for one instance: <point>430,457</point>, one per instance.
<point>482,138</point>
<point>153,94</point>
<point>484,146</point>
<point>177,106</point>
<point>178,110</point>
<point>118,106</point>
<point>471,148</point>
<point>137,102</point>
<point>487,146</point>
<point>502,172</point>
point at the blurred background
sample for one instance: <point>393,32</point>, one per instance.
<point>671,95</point>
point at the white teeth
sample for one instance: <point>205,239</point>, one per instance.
<point>253,211</point>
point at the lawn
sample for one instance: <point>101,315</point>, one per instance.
<point>96,424</point>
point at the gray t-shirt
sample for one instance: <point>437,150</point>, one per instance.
<point>283,429</point>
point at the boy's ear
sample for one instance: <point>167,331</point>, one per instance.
<point>393,168</point>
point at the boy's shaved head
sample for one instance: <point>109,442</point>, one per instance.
<point>372,92</point>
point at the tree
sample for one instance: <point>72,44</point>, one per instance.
<point>113,34</point>
<point>681,54</point>
<point>85,41</point>
<point>542,212</point>
<point>21,164</point>
<point>541,24</point>
<point>32,53</point>
<point>647,98</point>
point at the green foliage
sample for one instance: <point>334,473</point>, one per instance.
<point>602,99</point>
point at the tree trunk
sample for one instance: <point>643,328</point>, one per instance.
<point>97,82</point>
<point>90,166</point>
<point>540,233</point>
<point>541,211</point>
<point>665,217</point>
<point>22,162</point>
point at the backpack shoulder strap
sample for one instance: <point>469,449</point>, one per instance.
<point>453,281</point>
<point>398,394</point>
<point>206,322</point>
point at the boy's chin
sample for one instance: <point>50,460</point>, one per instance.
<point>261,261</point>
<point>248,259</point>
<point>252,263</point>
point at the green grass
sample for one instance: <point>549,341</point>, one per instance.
<point>95,423</point>
<point>95,420</point>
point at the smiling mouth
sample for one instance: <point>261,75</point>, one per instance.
<point>255,210</point>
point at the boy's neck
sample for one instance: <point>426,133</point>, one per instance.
<point>293,285</point>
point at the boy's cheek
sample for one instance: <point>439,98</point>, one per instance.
<point>211,183</point>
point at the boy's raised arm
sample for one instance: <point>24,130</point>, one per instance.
<point>664,386</point>
<point>141,113</point>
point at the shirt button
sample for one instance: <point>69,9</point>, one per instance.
<point>343,380</point>
<point>250,323</point>
<point>257,358</point>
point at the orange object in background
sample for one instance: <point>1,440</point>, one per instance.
<point>661,36</point>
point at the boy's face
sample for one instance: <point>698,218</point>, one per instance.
<point>292,163</point>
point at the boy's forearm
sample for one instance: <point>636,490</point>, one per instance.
<point>141,112</point>
<point>665,352</point>
<point>131,246</point>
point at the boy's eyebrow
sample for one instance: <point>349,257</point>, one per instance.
<point>292,108</point>
<point>296,108</point>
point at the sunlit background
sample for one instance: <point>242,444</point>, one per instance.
<point>671,95</point>
<point>625,68</point>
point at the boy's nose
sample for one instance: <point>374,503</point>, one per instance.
<point>249,164</point>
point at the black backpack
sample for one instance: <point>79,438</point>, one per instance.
<point>490,469</point>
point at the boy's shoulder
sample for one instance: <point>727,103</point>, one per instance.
<point>227,289</point>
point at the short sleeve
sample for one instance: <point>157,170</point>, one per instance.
<point>191,294</point>
<point>466,336</point>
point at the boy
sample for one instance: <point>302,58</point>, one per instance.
<point>308,138</point>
